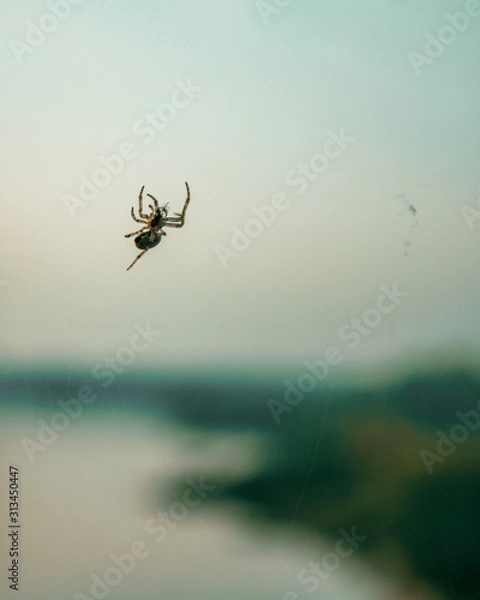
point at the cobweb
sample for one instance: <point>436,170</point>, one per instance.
<point>413,211</point>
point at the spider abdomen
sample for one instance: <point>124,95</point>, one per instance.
<point>147,239</point>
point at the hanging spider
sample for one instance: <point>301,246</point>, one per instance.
<point>151,233</point>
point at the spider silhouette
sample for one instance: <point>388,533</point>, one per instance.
<point>151,233</point>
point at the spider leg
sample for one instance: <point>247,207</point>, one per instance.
<point>154,200</point>
<point>135,232</point>
<point>132,212</point>
<point>187,201</point>
<point>173,224</point>
<point>184,209</point>
<point>139,256</point>
<point>173,219</point>
<point>179,221</point>
<point>140,200</point>
<point>153,232</point>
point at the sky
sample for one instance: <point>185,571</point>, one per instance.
<point>243,95</point>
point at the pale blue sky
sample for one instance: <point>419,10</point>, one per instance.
<point>269,96</point>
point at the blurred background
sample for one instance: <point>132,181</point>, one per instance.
<point>282,399</point>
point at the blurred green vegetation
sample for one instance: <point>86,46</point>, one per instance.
<point>360,458</point>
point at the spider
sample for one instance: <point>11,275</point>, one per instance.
<point>151,233</point>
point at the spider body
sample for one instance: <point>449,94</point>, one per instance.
<point>144,241</point>
<point>150,235</point>
<point>156,220</point>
